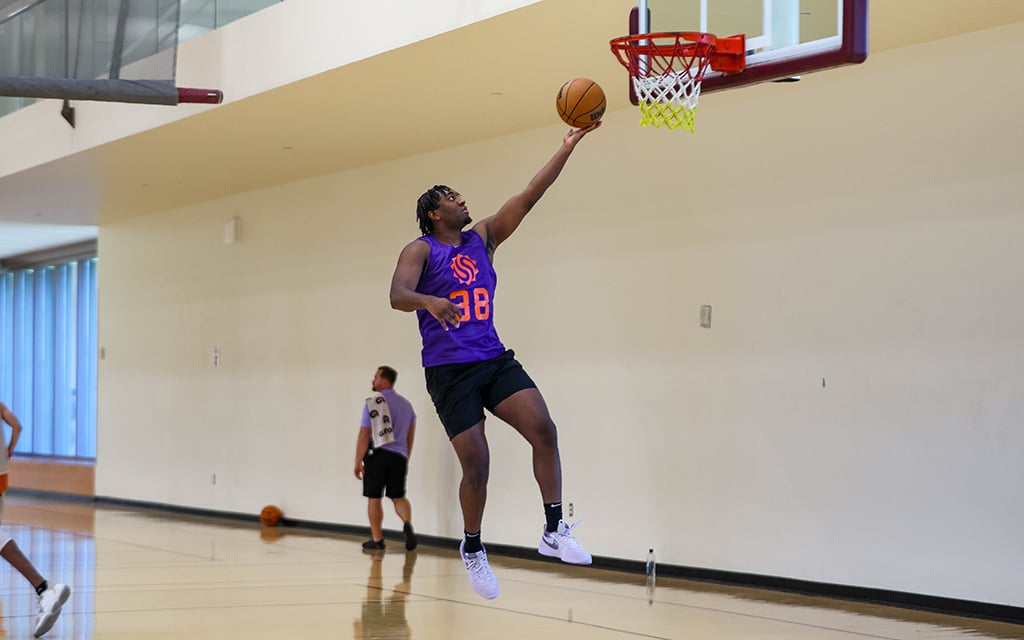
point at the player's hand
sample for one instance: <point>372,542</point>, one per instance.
<point>445,311</point>
<point>358,470</point>
<point>572,136</point>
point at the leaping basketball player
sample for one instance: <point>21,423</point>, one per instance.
<point>447,277</point>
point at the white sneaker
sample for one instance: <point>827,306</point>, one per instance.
<point>50,602</point>
<point>481,578</point>
<point>561,544</point>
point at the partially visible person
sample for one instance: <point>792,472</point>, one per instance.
<point>51,597</point>
<point>383,449</point>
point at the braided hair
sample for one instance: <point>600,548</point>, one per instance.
<point>428,202</point>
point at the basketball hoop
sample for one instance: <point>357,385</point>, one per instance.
<point>667,70</point>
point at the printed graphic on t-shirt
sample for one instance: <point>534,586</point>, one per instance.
<point>381,429</point>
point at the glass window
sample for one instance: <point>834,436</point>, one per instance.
<point>48,357</point>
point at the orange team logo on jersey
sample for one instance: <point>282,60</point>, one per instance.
<point>464,269</point>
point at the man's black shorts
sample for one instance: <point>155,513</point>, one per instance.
<point>384,470</point>
<point>462,391</point>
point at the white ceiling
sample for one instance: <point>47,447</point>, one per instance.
<point>320,125</point>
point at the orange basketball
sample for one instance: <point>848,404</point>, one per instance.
<point>271,515</point>
<point>580,102</point>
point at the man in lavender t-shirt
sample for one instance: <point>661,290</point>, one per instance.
<point>385,467</point>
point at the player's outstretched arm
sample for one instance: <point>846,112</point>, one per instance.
<point>497,228</point>
<point>404,296</point>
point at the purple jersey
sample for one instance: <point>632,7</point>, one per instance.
<point>464,275</point>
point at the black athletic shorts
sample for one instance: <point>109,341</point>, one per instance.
<point>382,470</point>
<point>462,391</point>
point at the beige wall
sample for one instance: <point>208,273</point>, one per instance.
<point>859,227</point>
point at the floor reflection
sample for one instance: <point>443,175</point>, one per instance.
<point>383,612</point>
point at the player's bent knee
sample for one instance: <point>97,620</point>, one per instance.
<point>476,477</point>
<point>545,436</point>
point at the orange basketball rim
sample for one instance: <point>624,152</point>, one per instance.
<point>667,69</point>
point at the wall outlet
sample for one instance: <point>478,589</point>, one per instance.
<point>705,316</point>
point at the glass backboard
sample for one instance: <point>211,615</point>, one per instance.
<point>784,38</point>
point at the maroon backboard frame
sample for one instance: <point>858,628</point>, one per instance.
<point>854,50</point>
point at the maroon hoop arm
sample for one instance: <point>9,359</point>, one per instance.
<point>200,96</point>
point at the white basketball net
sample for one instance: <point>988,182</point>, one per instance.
<point>669,99</point>
<point>667,69</point>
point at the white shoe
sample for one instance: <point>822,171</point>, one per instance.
<point>481,578</point>
<point>561,544</point>
<point>50,602</point>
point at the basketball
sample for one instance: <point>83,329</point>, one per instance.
<point>580,102</point>
<point>270,516</point>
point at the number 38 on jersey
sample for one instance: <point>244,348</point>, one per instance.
<point>473,305</point>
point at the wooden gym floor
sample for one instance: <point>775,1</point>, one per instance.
<point>140,574</point>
